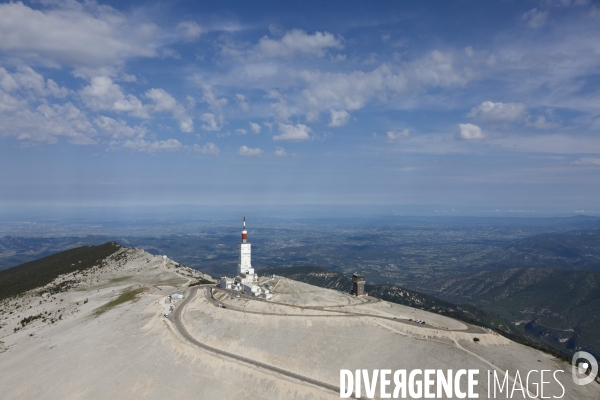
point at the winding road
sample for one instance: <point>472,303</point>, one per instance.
<point>175,317</point>
<point>337,313</point>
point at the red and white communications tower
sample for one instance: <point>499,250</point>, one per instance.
<point>244,260</point>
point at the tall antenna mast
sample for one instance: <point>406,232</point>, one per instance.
<point>244,232</point>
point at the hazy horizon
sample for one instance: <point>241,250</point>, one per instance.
<point>186,211</point>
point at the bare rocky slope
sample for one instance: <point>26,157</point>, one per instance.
<point>105,336</point>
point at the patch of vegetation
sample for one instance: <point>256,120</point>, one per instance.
<point>34,274</point>
<point>28,320</point>
<point>121,279</point>
<point>124,297</point>
<point>202,281</point>
<point>60,287</point>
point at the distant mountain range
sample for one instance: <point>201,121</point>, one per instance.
<point>576,249</point>
<point>562,306</point>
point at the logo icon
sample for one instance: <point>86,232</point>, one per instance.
<point>580,368</point>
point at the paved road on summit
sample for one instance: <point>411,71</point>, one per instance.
<point>176,318</point>
<point>334,313</point>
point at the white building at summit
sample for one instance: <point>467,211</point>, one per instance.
<point>246,280</point>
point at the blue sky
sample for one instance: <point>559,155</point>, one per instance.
<point>469,104</point>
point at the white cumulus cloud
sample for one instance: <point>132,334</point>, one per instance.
<point>395,135</point>
<point>593,161</point>
<point>280,152</point>
<point>351,90</point>
<point>255,128</point>
<point>247,151</point>
<point>208,148</point>
<point>44,123</point>
<point>469,132</point>
<point>535,18</point>
<point>438,69</point>
<point>338,118</point>
<point>119,129</point>
<point>191,30</point>
<point>241,99</point>
<point>540,122</point>
<point>85,35</point>
<point>27,80</point>
<point>103,94</point>
<point>152,146</point>
<point>326,90</point>
<point>210,122</point>
<point>215,119</point>
<point>53,89</point>
<point>7,82</point>
<point>297,42</point>
<point>489,111</point>
<point>293,133</point>
<point>164,102</point>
